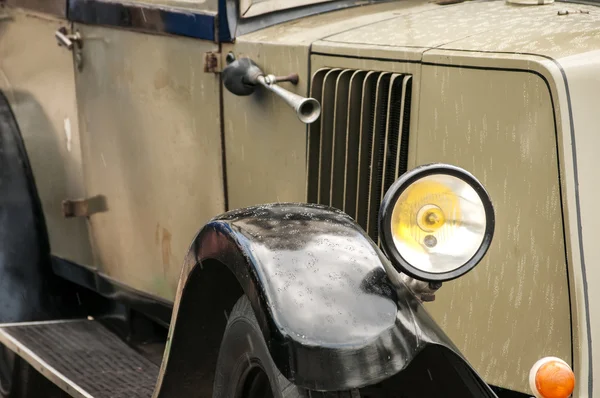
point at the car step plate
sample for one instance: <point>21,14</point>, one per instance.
<point>83,358</point>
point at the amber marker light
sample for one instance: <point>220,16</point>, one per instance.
<point>551,377</point>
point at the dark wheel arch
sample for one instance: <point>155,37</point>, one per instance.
<point>28,289</point>
<point>25,274</point>
<point>318,286</point>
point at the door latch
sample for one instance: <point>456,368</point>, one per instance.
<point>71,41</point>
<point>84,207</point>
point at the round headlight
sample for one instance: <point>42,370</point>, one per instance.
<point>436,222</point>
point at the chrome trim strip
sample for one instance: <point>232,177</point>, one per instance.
<point>145,17</point>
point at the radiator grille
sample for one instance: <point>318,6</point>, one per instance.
<point>359,146</point>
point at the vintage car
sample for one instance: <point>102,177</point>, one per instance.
<point>261,198</point>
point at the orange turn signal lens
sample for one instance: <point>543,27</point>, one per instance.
<point>551,377</point>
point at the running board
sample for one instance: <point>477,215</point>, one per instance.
<point>83,358</point>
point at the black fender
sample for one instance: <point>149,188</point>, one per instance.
<point>318,286</point>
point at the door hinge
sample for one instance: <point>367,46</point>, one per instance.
<point>212,62</point>
<point>71,41</point>
<point>84,207</point>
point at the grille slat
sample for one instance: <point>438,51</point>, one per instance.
<point>377,151</point>
<point>338,152</point>
<point>392,134</point>
<point>365,144</point>
<point>328,107</point>
<point>314,138</point>
<point>360,146</point>
<point>353,142</point>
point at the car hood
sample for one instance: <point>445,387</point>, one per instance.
<point>556,30</point>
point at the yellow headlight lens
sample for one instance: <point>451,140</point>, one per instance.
<point>438,223</point>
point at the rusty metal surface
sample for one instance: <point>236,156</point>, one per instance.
<point>37,78</point>
<point>151,145</point>
<point>212,62</point>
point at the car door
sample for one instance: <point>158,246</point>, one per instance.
<point>151,135</point>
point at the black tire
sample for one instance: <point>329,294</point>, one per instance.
<point>244,366</point>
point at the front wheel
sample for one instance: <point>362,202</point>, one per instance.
<point>245,368</point>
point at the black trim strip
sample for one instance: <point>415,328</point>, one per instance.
<point>223,142</point>
<point>144,17</point>
<point>579,229</point>
<point>154,307</point>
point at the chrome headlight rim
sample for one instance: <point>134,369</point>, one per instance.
<point>387,208</point>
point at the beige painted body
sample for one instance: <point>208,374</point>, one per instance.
<point>489,95</point>
<point>151,144</point>
<point>43,100</point>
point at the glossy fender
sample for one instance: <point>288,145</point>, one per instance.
<point>318,285</point>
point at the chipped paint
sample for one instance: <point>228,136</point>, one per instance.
<point>68,133</point>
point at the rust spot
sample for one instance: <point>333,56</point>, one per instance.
<point>166,247</point>
<point>161,79</point>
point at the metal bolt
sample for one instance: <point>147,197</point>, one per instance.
<point>229,58</point>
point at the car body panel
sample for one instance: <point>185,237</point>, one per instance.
<point>524,275</point>
<point>491,26</point>
<point>43,101</point>
<point>151,146</point>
